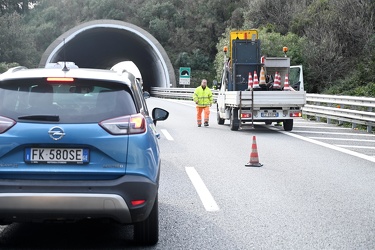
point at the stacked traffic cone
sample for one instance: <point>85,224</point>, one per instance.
<point>250,81</point>
<point>276,83</point>
<point>286,83</point>
<point>262,78</point>
<point>254,159</point>
<point>256,82</point>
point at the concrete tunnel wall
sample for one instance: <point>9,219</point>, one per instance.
<point>103,43</point>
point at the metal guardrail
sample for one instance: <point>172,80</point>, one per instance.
<point>352,109</point>
<point>176,93</point>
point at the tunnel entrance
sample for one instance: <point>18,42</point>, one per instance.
<point>103,43</point>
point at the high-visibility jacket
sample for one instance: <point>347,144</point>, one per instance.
<point>202,96</point>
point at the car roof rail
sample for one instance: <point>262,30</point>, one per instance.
<point>61,65</point>
<point>119,71</point>
<point>14,69</point>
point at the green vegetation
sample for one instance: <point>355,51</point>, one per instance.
<point>333,39</point>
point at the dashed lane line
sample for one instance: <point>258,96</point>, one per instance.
<point>167,135</point>
<point>204,194</point>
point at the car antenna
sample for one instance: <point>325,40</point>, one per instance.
<point>64,68</point>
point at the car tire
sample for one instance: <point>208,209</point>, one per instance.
<point>147,232</point>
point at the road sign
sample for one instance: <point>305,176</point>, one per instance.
<point>185,76</point>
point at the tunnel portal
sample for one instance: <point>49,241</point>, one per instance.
<point>103,43</point>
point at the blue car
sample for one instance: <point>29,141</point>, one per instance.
<point>78,144</point>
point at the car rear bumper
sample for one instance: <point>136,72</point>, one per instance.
<point>50,200</point>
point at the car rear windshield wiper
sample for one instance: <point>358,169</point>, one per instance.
<point>52,118</point>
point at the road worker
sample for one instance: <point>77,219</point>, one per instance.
<point>203,99</point>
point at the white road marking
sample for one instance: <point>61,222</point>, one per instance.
<point>350,146</point>
<point>167,135</point>
<point>343,150</point>
<point>208,201</point>
<point>341,139</point>
<point>307,126</point>
<point>332,133</point>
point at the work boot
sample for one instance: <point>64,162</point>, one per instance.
<point>206,124</point>
<point>199,125</point>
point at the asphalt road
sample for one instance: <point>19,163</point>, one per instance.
<point>315,190</point>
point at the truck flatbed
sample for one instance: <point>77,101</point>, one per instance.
<point>264,99</point>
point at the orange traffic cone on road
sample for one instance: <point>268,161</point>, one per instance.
<point>256,82</point>
<point>262,77</point>
<point>276,82</point>
<point>250,81</point>
<point>254,159</point>
<point>286,83</point>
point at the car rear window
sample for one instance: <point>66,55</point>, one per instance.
<point>81,101</point>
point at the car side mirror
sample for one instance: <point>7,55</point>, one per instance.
<point>146,94</point>
<point>159,114</point>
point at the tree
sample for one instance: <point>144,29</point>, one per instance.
<point>16,44</point>
<point>332,38</point>
<point>337,32</point>
<point>10,6</point>
<point>260,13</point>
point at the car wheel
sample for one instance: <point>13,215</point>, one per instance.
<point>147,231</point>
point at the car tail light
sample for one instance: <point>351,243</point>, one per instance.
<point>5,124</point>
<point>124,125</point>
<point>138,202</point>
<point>295,114</point>
<point>60,79</point>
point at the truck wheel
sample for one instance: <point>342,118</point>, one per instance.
<point>234,122</point>
<point>288,125</point>
<point>220,121</point>
<point>147,232</point>
<point>268,122</point>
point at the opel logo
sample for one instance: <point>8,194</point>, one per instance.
<point>56,133</point>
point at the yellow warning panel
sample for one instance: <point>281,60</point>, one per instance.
<point>243,35</point>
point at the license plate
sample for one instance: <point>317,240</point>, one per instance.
<point>57,155</point>
<point>270,114</point>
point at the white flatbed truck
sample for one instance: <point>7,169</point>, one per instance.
<point>241,102</point>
